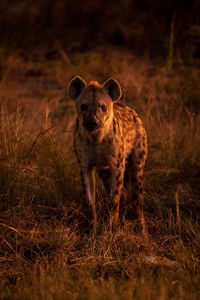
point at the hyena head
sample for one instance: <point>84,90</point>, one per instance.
<point>94,102</point>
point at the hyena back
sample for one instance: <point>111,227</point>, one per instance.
<point>110,138</point>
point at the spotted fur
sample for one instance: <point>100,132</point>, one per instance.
<point>110,138</point>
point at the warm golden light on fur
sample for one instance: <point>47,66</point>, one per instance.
<point>95,84</point>
<point>117,142</point>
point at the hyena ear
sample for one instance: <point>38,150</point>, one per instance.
<point>113,89</point>
<point>75,87</point>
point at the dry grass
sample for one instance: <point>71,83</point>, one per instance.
<point>46,251</point>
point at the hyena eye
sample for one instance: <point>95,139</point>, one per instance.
<point>84,107</point>
<point>104,108</point>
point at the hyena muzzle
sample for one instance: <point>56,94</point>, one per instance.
<point>110,138</point>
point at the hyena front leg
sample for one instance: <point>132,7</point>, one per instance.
<point>88,182</point>
<point>105,175</point>
<point>117,179</point>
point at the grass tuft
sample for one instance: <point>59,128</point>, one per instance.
<point>46,251</point>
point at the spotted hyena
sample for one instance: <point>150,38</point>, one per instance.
<point>110,138</point>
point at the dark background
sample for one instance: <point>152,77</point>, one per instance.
<point>142,27</point>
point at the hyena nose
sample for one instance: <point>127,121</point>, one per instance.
<point>91,124</point>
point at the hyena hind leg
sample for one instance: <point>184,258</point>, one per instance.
<point>133,181</point>
<point>130,194</point>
